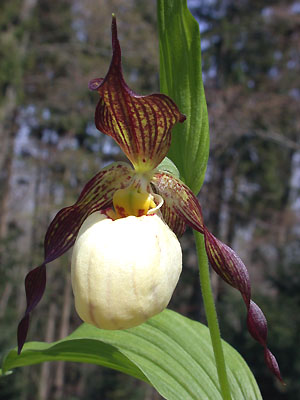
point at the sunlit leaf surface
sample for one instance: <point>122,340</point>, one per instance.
<point>171,352</point>
<point>181,79</point>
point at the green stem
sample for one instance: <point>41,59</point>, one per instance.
<point>211,315</point>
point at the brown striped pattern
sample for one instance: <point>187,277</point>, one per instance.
<point>173,220</point>
<point>221,255</point>
<point>179,199</point>
<point>96,195</point>
<point>141,125</point>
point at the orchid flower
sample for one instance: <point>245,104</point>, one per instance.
<point>127,259</point>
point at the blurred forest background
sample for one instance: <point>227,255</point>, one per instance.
<point>49,147</point>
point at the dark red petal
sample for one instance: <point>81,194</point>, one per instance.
<point>61,234</point>
<point>222,258</point>
<point>257,323</point>
<point>232,269</point>
<point>22,331</point>
<point>179,199</point>
<point>257,326</point>
<point>176,223</point>
<point>96,195</point>
<point>273,364</point>
<point>141,125</point>
<point>35,283</point>
<point>228,265</point>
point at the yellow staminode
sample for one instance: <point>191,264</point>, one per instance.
<point>132,201</point>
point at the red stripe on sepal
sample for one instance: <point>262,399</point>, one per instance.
<point>228,265</point>
<point>141,125</point>
<point>175,222</point>
<point>179,199</point>
<point>96,195</point>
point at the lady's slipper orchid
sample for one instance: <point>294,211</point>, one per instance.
<point>127,214</point>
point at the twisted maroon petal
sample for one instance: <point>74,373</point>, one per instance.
<point>257,323</point>
<point>232,269</point>
<point>228,265</point>
<point>62,232</point>
<point>141,125</point>
<point>222,258</point>
<point>257,326</point>
<point>177,198</point>
<point>96,195</point>
<point>176,223</point>
<point>35,283</point>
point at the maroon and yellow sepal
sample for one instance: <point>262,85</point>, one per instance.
<point>141,125</point>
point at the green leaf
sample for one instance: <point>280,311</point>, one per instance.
<point>181,79</point>
<point>169,351</point>
<point>168,166</point>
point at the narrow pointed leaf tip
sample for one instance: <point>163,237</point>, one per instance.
<point>62,232</point>
<point>181,203</point>
<point>141,125</point>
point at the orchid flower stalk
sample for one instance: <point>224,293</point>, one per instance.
<point>127,259</point>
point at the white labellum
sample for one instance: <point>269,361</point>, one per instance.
<point>124,271</point>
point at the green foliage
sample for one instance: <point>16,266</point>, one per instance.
<point>169,351</point>
<point>168,166</point>
<point>10,67</point>
<point>181,78</point>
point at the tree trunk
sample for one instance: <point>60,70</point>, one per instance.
<point>6,171</point>
<point>44,384</point>
<point>8,125</point>
<point>4,298</point>
<point>64,330</point>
